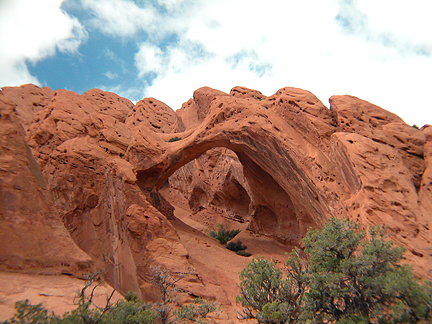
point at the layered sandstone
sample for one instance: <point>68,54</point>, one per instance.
<point>139,185</point>
<point>33,238</point>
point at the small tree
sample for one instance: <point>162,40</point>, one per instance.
<point>87,312</point>
<point>268,296</point>
<point>347,279</point>
<point>166,281</point>
<point>353,280</point>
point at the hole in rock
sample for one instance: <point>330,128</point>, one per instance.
<point>212,188</point>
<point>221,183</point>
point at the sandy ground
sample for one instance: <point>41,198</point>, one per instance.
<point>219,266</point>
<point>57,293</point>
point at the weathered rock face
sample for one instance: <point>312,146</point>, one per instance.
<point>265,136</point>
<point>387,156</point>
<point>425,191</point>
<point>32,236</point>
<point>94,188</point>
<point>358,116</point>
<point>242,92</point>
<point>274,165</point>
<point>195,110</point>
<point>304,163</point>
<point>108,103</point>
<point>215,182</point>
<point>29,99</point>
<point>155,115</point>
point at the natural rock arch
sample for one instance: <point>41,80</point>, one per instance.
<point>287,202</point>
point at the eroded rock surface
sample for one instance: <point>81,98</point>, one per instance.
<point>32,236</point>
<point>215,187</point>
<point>28,100</point>
<point>141,185</point>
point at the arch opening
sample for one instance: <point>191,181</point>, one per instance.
<point>265,201</point>
<point>214,183</point>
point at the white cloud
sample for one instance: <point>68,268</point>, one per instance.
<point>280,44</point>
<point>149,59</point>
<point>394,24</point>
<point>30,31</point>
<point>111,75</point>
<point>119,17</point>
<point>408,21</point>
<point>216,73</point>
<point>378,51</point>
<point>264,47</point>
<point>110,54</point>
<point>176,5</point>
<point>15,73</point>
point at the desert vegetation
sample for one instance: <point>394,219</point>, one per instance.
<point>131,310</point>
<point>224,236</point>
<point>166,281</point>
<point>236,246</point>
<point>244,253</point>
<point>239,248</point>
<point>343,275</point>
<point>349,277</point>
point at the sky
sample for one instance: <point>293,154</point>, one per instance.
<point>377,50</point>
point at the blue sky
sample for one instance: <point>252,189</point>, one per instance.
<point>377,50</point>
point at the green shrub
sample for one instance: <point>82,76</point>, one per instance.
<point>131,296</point>
<point>268,295</point>
<point>347,279</point>
<point>28,313</point>
<point>197,311</point>
<point>244,253</point>
<point>129,311</point>
<point>236,246</point>
<point>223,235</point>
<point>174,139</point>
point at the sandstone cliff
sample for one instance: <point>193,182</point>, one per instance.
<point>93,181</point>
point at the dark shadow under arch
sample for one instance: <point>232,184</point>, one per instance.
<point>286,200</point>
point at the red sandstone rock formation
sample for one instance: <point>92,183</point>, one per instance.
<point>271,166</point>
<point>29,99</point>
<point>32,236</point>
